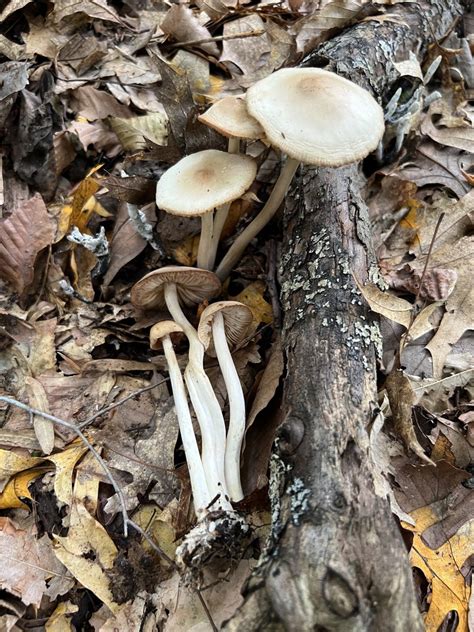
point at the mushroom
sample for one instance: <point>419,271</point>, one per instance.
<point>229,116</point>
<point>160,336</point>
<point>199,183</point>
<point>228,321</point>
<point>165,287</point>
<point>316,117</point>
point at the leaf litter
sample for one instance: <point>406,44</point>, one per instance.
<point>98,98</point>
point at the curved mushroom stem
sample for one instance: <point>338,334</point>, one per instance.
<point>236,430</point>
<point>206,242</point>
<point>233,146</point>
<point>268,211</point>
<point>199,487</point>
<point>205,404</point>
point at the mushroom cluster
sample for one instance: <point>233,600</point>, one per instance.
<point>311,116</point>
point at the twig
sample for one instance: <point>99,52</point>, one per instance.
<point>107,409</point>
<point>218,38</point>
<point>83,438</point>
<point>150,541</point>
<point>207,611</point>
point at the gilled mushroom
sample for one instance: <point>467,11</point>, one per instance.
<point>160,336</point>
<point>165,287</point>
<point>316,117</point>
<point>229,116</point>
<point>198,184</point>
<point>226,323</point>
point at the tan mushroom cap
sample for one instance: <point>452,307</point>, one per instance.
<point>193,284</point>
<point>162,329</point>
<point>202,181</point>
<point>317,117</point>
<point>230,117</point>
<point>237,320</point>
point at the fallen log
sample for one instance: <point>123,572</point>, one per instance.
<point>336,561</point>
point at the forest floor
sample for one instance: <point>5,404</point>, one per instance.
<point>98,97</point>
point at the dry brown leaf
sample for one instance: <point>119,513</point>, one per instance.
<point>453,130</point>
<point>183,25</point>
<point>402,399</point>
<point>268,383</point>
<point>247,58</point>
<point>438,165</point>
<point>60,620</point>
<point>320,25</point>
<point>11,7</point>
<point>23,235</point>
<point>389,305</point>
<point>95,104</point>
<point>126,243</point>
<point>434,394</point>
<point>95,9</point>
<point>44,429</point>
<point>97,134</point>
<point>27,563</point>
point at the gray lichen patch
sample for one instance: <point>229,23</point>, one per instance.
<point>299,500</point>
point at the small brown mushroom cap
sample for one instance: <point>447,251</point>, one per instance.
<point>230,117</point>
<point>237,320</point>
<point>162,329</point>
<point>203,181</point>
<point>316,116</point>
<point>193,284</point>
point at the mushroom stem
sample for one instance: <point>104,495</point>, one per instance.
<point>236,430</point>
<point>204,400</point>
<point>206,242</point>
<point>234,145</point>
<point>199,487</point>
<point>268,211</point>
<point>219,221</point>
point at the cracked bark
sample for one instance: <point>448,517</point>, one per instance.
<point>337,562</point>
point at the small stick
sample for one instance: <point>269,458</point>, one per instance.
<point>218,38</point>
<point>86,442</point>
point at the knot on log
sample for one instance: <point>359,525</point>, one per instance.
<point>290,435</point>
<point>339,596</point>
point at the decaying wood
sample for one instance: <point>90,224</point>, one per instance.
<point>337,561</point>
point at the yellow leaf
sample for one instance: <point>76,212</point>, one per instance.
<point>64,222</point>
<point>88,553</point>
<point>44,429</point>
<point>17,488</point>
<point>86,486</point>
<point>65,463</point>
<point>252,296</point>
<point>186,251</point>
<point>157,523</point>
<point>60,621</point>
<point>12,463</point>
<point>442,569</point>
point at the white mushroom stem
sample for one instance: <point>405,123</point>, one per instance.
<point>268,211</point>
<point>199,487</point>
<point>206,242</point>
<point>235,434</point>
<point>205,404</point>
<point>222,211</point>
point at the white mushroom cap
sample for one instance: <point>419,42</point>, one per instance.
<point>230,117</point>
<point>316,117</point>
<point>237,319</point>
<point>193,285</point>
<point>203,181</point>
<point>162,329</point>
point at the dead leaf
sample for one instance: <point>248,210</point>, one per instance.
<point>252,296</point>
<point>19,245</point>
<point>60,620</point>
<point>96,9</point>
<point>95,104</point>
<point>247,58</point>
<point>136,133</point>
<point>181,23</point>
<point>88,553</point>
<point>456,132</point>
<point>323,23</point>
<point>397,309</point>
<point>44,429</point>
<point>12,463</point>
<point>27,563</point>
<point>268,384</point>
<point>437,165</point>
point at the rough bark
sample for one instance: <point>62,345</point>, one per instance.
<point>337,561</point>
